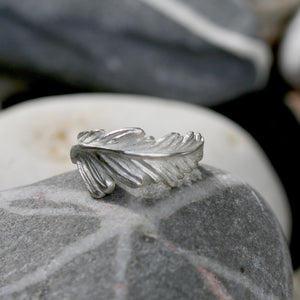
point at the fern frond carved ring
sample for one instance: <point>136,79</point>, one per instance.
<point>128,158</point>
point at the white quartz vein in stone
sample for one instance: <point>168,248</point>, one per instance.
<point>69,253</point>
<point>111,226</point>
<point>241,45</point>
<point>47,211</point>
<point>258,200</point>
<point>225,272</point>
<point>170,206</point>
<point>122,259</point>
<point>92,241</point>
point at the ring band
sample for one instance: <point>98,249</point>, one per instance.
<point>128,158</point>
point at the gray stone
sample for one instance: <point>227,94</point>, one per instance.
<point>272,16</point>
<point>214,239</point>
<point>200,51</point>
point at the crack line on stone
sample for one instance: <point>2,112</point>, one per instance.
<point>223,271</point>
<point>215,284</point>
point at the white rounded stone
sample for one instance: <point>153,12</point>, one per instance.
<point>36,138</point>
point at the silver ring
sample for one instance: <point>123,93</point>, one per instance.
<point>131,160</point>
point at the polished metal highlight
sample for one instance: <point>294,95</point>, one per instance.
<point>128,158</point>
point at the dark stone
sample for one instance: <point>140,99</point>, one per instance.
<point>214,239</point>
<point>129,46</point>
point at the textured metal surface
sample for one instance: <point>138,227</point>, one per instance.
<point>128,158</point>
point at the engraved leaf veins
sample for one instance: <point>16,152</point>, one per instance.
<point>128,158</point>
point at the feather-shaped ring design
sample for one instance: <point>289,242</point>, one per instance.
<point>128,158</point>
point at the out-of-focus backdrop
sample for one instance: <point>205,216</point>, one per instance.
<point>240,58</point>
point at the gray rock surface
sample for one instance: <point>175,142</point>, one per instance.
<point>200,51</point>
<point>215,239</point>
<point>273,15</point>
